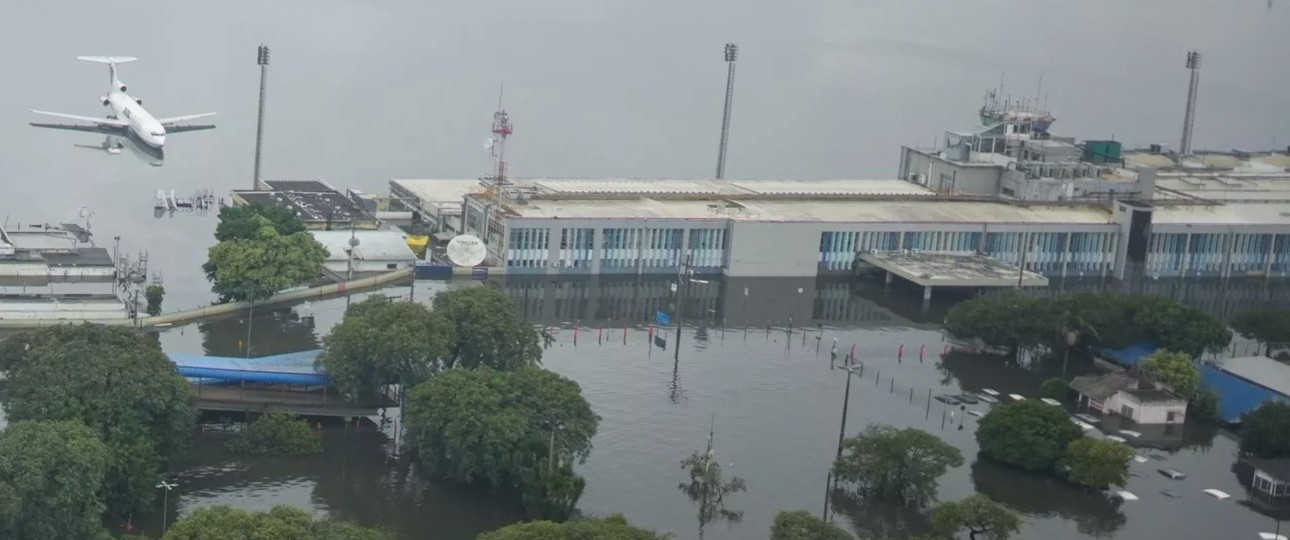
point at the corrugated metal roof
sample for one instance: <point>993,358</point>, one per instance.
<point>1260,369</point>
<point>628,186</point>
<point>436,190</point>
<point>833,187</point>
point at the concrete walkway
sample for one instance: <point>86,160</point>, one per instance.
<point>217,310</point>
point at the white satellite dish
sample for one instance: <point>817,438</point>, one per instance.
<point>488,143</point>
<point>466,250</point>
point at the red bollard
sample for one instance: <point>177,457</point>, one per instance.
<point>853,351</point>
<point>920,352</point>
<point>900,353</point>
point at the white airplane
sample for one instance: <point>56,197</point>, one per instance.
<point>129,121</point>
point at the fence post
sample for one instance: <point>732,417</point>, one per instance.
<point>929,405</point>
<point>911,394</point>
<point>893,386</point>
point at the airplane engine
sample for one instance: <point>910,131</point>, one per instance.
<point>104,100</point>
<point>139,101</point>
<point>122,88</point>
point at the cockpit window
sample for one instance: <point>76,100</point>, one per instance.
<point>158,133</point>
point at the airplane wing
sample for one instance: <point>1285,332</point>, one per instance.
<point>101,129</point>
<point>167,122</point>
<point>181,129</point>
<point>97,121</point>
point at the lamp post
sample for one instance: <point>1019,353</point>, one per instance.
<point>165,503</point>
<point>842,430</point>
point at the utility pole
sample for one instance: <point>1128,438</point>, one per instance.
<point>682,286</point>
<point>165,503</point>
<point>261,58</point>
<point>250,316</point>
<point>1189,117</point>
<point>842,430</point>
<point>732,53</point>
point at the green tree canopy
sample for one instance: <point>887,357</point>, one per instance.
<point>1103,318</point>
<point>51,479</point>
<point>1203,406</point>
<point>277,434</point>
<point>708,488</point>
<point>1265,323</point>
<point>279,523</point>
<point>239,223</point>
<point>983,518</point>
<point>1054,388</point>
<point>381,342</point>
<point>896,464</point>
<point>801,525</point>
<point>611,528</point>
<point>117,382</point>
<point>155,293</point>
<point>1177,370</point>
<point>1026,434</point>
<point>493,426</point>
<point>489,329</point>
<point>258,266</point>
<point>1097,463</point>
<point>1265,431</point>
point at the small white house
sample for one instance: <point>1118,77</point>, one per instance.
<point>1122,394</point>
<point>374,251</point>
<point>1271,476</point>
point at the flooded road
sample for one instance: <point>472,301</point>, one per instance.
<point>777,406</point>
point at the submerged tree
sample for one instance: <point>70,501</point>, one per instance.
<point>708,488</point>
<point>1265,431</point>
<point>277,434</point>
<point>279,523</point>
<point>983,518</point>
<point>154,294</point>
<point>258,266</point>
<point>1097,463</point>
<point>900,465</point>
<point>381,342</point>
<point>1177,370</point>
<point>489,329</point>
<point>1026,434</point>
<point>801,525</point>
<point>614,527</point>
<point>1267,324</point>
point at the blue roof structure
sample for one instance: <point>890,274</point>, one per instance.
<point>290,368</point>
<point>1236,396</point>
<point>1131,355</point>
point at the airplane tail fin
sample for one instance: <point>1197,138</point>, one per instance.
<point>111,61</point>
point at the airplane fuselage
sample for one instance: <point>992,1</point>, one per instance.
<point>142,125</point>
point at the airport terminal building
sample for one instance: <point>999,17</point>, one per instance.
<point>1007,190</point>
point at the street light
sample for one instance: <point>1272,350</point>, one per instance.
<point>842,429</point>
<point>165,503</point>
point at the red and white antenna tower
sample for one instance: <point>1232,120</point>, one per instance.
<point>497,143</point>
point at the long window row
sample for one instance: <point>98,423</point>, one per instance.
<point>528,248</point>
<point>1043,252</point>
<point>1206,254</point>
<point>577,247</point>
<point>708,247</point>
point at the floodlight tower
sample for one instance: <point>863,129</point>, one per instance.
<point>1193,65</point>
<point>261,58</point>
<point>732,53</point>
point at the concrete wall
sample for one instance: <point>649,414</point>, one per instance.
<point>71,310</point>
<point>774,249</point>
<point>1151,413</point>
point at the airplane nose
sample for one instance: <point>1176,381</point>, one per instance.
<point>159,139</point>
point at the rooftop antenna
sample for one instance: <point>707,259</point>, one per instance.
<point>262,59</point>
<point>732,54</point>
<point>1193,65</point>
<point>497,143</point>
<point>1039,90</point>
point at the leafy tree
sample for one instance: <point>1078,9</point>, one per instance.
<point>1265,323</point>
<point>489,329</point>
<point>154,293</point>
<point>1026,434</point>
<point>1265,431</point>
<point>117,382</point>
<point>707,488</point>
<point>896,464</point>
<point>1011,320</point>
<point>1176,326</point>
<point>239,223</point>
<point>1203,407</point>
<point>279,523</point>
<point>484,425</point>
<point>1177,370</point>
<point>550,492</point>
<point>1054,388</point>
<point>51,477</point>
<point>277,434</point>
<point>257,267</point>
<point>1097,463</point>
<point>612,528</point>
<point>982,517</point>
<point>381,342</point>
<point>801,525</point>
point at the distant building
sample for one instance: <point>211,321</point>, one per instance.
<point>1126,395</point>
<point>377,251</point>
<point>317,203</point>
<point>47,273</point>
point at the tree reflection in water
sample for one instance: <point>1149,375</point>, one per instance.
<point>282,331</point>
<point>1094,514</point>
<point>871,518</point>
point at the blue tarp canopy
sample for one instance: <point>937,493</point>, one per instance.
<point>291,368</point>
<point>1131,355</point>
